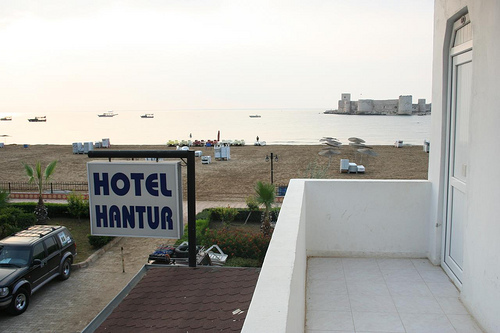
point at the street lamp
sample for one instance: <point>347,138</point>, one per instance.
<point>273,158</point>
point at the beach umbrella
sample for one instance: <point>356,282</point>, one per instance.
<point>366,151</point>
<point>333,143</point>
<point>356,140</point>
<point>329,152</point>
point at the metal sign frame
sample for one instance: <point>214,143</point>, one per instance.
<point>191,188</point>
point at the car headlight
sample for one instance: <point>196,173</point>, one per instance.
<point>4,291</point>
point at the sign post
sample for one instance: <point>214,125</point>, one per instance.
<point>134,182</point>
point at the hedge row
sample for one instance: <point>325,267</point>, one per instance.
<point>255,216</point>
<point>54,209</point>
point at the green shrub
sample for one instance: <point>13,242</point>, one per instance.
<point>13,219</point>
<point>224,214</point>
<point>27,207</point>
<point>238,244</point>
<point>242,262</point>
<point>252,203</point>
<point>201,227</point>
<point>25,220</point>
<point>57,209</point>
<point>204,214</point>
<point>54,209</point>
<point>78,206</point>
<point>99,241</point>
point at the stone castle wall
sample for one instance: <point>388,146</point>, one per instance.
<point>401,106</point>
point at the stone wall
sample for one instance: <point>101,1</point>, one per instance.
<point>401,106</point>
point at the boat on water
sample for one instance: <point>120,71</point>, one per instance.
<point>37,119</point>
<point>8,118</point>
<point>107,114</point>
<point>255,116</point>
<point>148,115</point>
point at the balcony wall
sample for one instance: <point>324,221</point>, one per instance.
<point>334,218</point>
<point>367,218</point>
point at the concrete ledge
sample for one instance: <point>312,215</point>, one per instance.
<point>96,255</point>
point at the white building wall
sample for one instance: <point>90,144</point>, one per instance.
<point>367,218</point>
<point>481,280</point>
<point>278,302</point>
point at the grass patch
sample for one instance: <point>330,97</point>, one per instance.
<point>79,229</point>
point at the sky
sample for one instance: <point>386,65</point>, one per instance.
<point>154,55</point>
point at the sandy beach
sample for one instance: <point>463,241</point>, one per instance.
<point>233,180</point>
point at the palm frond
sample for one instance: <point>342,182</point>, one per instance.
<point>49,170</point>
<point>30,172</point>
<point>266,193</point>
<point>38,170</point>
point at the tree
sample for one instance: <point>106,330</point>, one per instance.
<point>36,176</point>
<point>266,193</point>
<point>4,198</point>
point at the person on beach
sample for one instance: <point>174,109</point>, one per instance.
<point>257,138</point>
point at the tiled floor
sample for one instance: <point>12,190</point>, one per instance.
<point>382,295</point>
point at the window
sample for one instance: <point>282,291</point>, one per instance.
<point>51,245</point>
<point>39,251</point>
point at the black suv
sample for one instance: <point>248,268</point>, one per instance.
<point>31,258</point>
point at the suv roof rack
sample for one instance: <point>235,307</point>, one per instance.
<point>37,231</point>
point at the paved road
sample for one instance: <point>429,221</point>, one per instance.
<point>68,306</point>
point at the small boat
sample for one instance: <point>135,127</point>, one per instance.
<point>148,115</point>
<point>108,114</point>
<point>38,119</point>
<point>254,116</point>
<point>8,118</point>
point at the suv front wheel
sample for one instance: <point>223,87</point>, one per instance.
<point>20,302</point>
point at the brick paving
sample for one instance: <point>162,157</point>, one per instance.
<point>68,306</point>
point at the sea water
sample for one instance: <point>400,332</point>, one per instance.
<point>284,127</point>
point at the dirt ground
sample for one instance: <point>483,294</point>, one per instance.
<point>234,179</point>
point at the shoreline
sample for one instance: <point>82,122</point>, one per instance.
<point>233,180</point>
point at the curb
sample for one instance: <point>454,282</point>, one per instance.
<point>96,255</point>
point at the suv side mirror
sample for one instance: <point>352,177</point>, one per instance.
<point>37,262</point>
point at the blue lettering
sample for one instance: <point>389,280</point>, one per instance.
<point>152,184</point>
<point>140,214</point>
<point>153,223</point>
<point>137,177</point>
<point>128,216</point>
<point>114,215</point>
<point>101,215</point>
<point>166,217</point>
<point>98,183</point>
<point>163,185</point>
<point>114,184</point>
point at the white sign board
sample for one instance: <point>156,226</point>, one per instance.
<point>135,199</point>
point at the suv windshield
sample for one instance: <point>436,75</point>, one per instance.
<point>14,255</point>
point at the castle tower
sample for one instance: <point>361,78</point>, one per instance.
<point>405,105</point>
<point>421,105</point>
<point>345,103</point>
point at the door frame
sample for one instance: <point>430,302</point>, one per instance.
<point>454,51</point>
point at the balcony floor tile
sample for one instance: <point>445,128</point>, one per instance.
<point>360,295</point>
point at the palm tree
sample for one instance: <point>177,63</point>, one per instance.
<point>36,176</point>
<point>266,193</point>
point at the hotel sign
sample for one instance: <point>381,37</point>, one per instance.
<point>135,199</point>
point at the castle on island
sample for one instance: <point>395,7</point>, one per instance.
<point>401,106</point>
